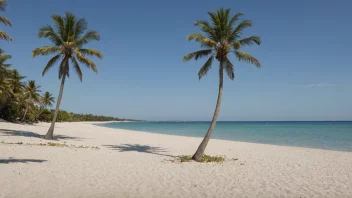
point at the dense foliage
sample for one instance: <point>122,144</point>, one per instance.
<point>21,101</point>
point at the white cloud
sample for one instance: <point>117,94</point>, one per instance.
<point>318,85</point>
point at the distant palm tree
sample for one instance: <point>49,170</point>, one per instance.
<point>31,95</point>
<point>46,101</point>
<point>220,37</point>
<point>68,46</point>
<point>4,35</point>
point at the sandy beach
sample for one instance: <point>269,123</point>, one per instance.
<point>138,164</point>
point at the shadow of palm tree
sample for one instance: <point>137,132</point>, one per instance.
<point>8,132</point>
<point>12,160</point>
<point>139,148</point>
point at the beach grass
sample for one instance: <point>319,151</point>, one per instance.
<point>205,159</point>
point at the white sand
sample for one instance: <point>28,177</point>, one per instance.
<point>132,169</point>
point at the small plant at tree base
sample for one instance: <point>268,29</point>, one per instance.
<point>204,159</point>
<point>57,144</point>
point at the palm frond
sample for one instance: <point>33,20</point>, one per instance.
<point>77,68</point>
<point>204,41</point>
<point>69,21</point>
<point>90,64</point>
<point>229,68</point>
<point>242,56</point>
<point>60,26</point>
<point>51,63</point>
<point>4,58</point>
<point>89,36</point>
<point>46,50</point>
<point>5,21</point>
<point>5,36</point>
<point>247,41</point>
<point>91,52</point>
<point>205,68</point>
<point>208,29</point>
<point>48,32</point>
<point>196,55</point>
<point>80,27</point>
<point>240,27</point>
<point>3,5</point>
<point>235,18</point>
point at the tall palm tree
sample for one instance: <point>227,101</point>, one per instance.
<point>5,21</point>
<point>46,101</point>
<point>219,38</point>
<point>31,95</point>
<point>69,38</point>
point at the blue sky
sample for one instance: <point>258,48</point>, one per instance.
<point>305,53</point>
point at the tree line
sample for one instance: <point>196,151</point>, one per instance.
<point>22,101</point>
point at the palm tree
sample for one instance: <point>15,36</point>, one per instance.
<point>219,38</point>
<point>46,101</point>
<point>68,38</point>
<point>31,95</point>
<point>5,21</point>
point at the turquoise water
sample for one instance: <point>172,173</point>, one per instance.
<point>322,135</point>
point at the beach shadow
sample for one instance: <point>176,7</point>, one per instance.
<point>12,160</point>
<point>139,148</point>
<point>8,132</point>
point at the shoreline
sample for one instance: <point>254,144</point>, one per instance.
<point>137,164</point>
<point>214,138</point>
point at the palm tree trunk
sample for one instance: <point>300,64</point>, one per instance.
<point>25,112</point>
<point>49,134</point>
<point>41,111</point>
<point>200,151</point>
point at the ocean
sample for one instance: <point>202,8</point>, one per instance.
<point>330,135</point>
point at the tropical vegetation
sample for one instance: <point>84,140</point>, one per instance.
<point>20,101</point>
<point>220,38</point>
<point>69,36</point>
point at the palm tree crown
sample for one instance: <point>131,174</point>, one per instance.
<point>68,44</point>
<point>221,37</point>
<point>47,99</point>
<point>32,91</point>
